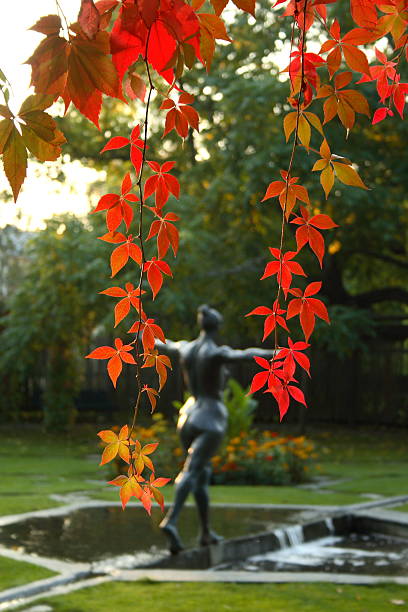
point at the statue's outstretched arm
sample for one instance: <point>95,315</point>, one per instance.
<point>226,353</point>
<point>170,347</point>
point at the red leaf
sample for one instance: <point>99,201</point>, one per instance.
<point>89,18</point>
<point>364,13</point>
<point>155,279</point>
<point>117,142</point>
<point>148,10</point>
<point>380,114</point>
<point>103,352</point>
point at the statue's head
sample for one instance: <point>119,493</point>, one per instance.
<point>208,318</point>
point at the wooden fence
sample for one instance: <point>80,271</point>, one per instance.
<point>370,387</point>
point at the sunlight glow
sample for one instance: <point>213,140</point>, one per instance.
<point>41,196</point>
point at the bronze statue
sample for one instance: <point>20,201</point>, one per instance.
<point>203,418</point>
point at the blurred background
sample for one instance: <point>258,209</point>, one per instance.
<point>52,267</point>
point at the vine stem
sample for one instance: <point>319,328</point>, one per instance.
<point>291,160</point>
<point>61,12</point>
<point>136,341</point>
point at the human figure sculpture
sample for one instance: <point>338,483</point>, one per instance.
<point>203,418</point>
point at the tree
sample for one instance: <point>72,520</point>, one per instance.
<point>50,319</point>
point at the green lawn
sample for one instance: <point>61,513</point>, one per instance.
<point>207,597</point>
<point>15,573</point>
<point>403,508</point>
<point>36,465</point>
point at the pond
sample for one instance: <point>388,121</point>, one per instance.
<point>372,554</point>
<point>98,533</point>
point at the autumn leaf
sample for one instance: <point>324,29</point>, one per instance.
<point>116,444</point>
<point>120,256</point>
<point>130,297</point>
<point>129,487</point>
<point>364,13</point>
<point>381,113</point>
<point>211,28</point>
<point>37,133</point>
<point>271,370</point>
<point>307,232</point>
<point>89,18</point>
<point>283,267</point>
<point>135,87</point>
<point>117,206</point>
<point>141,457</point>
<point>78,70</point>
<point>342,102</point>
<point>180,116</point>
<point>307,308</point>
<point>161,183</point>
<point>330,168</point>
<point>155,269</point>
<point>273,317</point>
<point>283,392</point>
<point>137,146</point>
<point>348,175</point>
<point>151,488</point>
<point>167,233</point>
<point>288,192</point>
<point>160,362</point>
<point>294,353</point>
<point>348,47</point>
<point>152,395</point>
<point>150,331</point>
<point>116,356</point>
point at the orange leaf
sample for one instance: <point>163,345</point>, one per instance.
<point>114,368</point>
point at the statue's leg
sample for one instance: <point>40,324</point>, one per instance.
<point>184,484</point>
<point>210,441</point>
<point>203,506</point>
<point>200,451</point>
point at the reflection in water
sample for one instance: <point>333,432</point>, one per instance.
<point>93,534</point>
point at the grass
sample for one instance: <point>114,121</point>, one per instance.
<point>185,597</point>
<point>15,573</point>
<point>36,466</point>
<point>403,508</point>
<point>236,494</point>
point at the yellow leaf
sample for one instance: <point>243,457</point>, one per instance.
<point>330,109</point>
<point>207,47</point>
<point>109,453</point>
<point>289,124</point>
<point>315,122</point>
<point>304,132</point>
<point>347,175</point>
<point>320,165</point>
<point>6,127</point>
<point>15,161</point>
<point>357,101</point>
<point>325,150</point>
<point>327,180</point>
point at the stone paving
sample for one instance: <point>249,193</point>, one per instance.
<point>74,576</point>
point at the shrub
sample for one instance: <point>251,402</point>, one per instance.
<point>264,458</point>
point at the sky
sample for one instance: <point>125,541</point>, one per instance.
<point>41,196</point>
